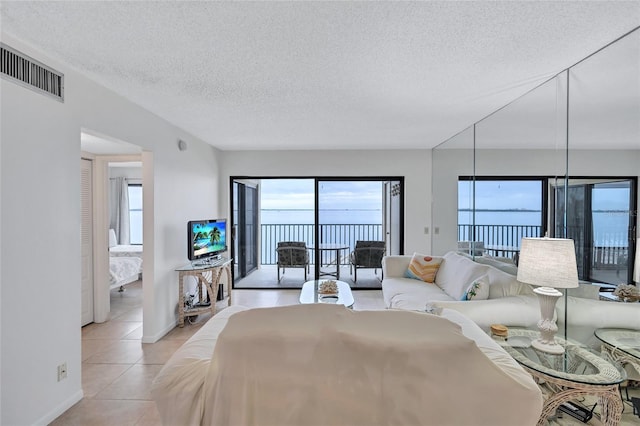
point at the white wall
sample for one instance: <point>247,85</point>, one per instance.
<point>449,164</point>
<point>40,227</point>
<point>414,165</point>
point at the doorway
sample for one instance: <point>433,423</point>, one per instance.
<point>102,152</point>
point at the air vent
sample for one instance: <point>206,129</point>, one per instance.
<point>26,71</point>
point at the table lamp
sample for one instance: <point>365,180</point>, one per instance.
<point>549,263</point>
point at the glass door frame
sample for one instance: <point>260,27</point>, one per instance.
<point>584,253</point>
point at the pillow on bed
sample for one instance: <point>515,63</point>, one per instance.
<point>423,267</point>
<point>113,241</point>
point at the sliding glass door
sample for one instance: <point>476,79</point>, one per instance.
<point>245,228</point>
<point>599,215</point>
<point>328,216</point>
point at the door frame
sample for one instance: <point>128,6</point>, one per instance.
<point>589,181</point>
<point>382,179</point>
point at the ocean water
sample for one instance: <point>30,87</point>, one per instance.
<point>610,228</point>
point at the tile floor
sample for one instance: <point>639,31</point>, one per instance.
<point>117,369</point>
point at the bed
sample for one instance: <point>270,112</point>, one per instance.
<point>125,263</point>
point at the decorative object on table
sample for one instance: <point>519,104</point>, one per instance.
<point>551,264</point>
<point>627,293</point>
<point>499,331</point>
<point>328,287</point>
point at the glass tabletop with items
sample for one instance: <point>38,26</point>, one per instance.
<point>577,364</point>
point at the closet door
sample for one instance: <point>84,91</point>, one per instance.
<point>86,240</point>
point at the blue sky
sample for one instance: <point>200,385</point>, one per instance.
<point>298,194</point>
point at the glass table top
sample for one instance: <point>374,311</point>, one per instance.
<point>627,341</point>
<point>577,364</point>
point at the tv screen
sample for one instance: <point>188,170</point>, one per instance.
<point>207,238</point>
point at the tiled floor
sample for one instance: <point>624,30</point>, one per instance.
<point>117,369</point>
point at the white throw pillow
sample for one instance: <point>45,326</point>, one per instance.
<point>113,241</point>
<point>477,290</point>
<point>456,273</point>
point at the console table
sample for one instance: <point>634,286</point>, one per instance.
<point>208,275</point>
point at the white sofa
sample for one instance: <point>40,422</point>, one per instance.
<point>258,366</point>
<point>510,302</point>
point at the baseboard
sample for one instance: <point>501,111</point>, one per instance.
<point>158,336</point>
<point>60,409</point>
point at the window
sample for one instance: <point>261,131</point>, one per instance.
<point>135,214</point>
<point>500,211</point>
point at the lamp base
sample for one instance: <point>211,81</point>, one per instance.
<point>547,297</point>
<point>550,348</point>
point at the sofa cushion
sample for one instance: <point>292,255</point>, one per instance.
<point>423,267</point>
<point>477,290</point>
<point>456,273</point>
<point>405,293</point>
<point>502,284</point>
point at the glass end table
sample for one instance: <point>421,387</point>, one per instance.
<point>575,373</point>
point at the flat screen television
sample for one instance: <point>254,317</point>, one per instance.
<point>206,238</point>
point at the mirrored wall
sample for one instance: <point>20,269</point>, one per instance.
<point>563,161</point>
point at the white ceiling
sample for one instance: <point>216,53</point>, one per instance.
<point>330,75</point>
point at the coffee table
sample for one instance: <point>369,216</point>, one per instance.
<point>568,376</point>
<point>309,294</point>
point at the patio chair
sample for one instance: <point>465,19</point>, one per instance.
<point>366,254</point>
<point>292,254</point>
<point>474,248</point>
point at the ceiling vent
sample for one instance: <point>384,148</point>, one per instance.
<point>20,68</point>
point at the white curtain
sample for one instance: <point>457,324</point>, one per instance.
<point>119,208</point>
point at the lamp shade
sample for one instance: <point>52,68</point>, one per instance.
<point>548,262</point>
<point>636,268</point>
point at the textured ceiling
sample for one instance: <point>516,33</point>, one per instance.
<point>329,75</point>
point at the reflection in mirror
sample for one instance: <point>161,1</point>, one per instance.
<point>578,137</point>
<point>516,149</point>
<point>451,159</point>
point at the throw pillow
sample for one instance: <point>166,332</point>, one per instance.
<point>477,290</point>
<point>423,267</point>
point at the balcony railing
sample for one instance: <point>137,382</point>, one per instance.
<point>610,253</point>
<point>498,235</point>
<point>609,256</point>
<point>346,234</point>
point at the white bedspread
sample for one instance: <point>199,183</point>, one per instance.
<point>126,250</point>
<point>328,365</point>
<point>123,270</point>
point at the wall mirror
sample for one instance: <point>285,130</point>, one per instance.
<point>561,161</point>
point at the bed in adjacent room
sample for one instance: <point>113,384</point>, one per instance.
<point>125,262</point>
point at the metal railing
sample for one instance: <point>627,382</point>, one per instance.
<point>498,235</point>
<point>609,254</point>
<point>346,234</point>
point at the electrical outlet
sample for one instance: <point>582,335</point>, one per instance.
<point>62,371</point>
<point>426,230</point>
<point>436,230</point>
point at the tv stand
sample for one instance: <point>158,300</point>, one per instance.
<point>209,261</point>
<point>208,275</point>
